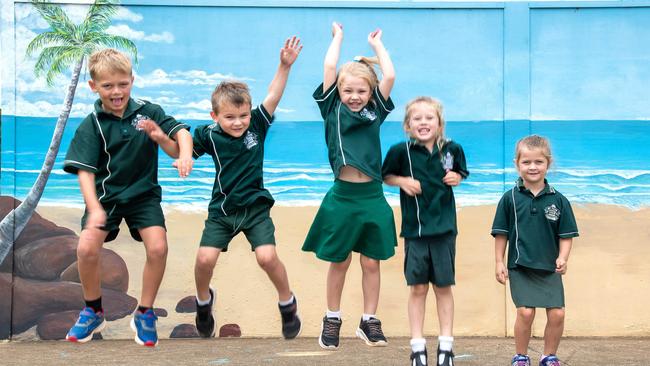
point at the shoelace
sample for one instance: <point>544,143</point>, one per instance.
<point>331,328</point>
<point>374,326</point>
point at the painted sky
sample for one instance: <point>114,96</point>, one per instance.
<point>590,64</point>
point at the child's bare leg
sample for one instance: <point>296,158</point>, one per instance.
<point>268,260</point>
<point>445,306</point>
<point>335,282</point>
<point>553,330</point>
<point>416,308</point>
<point>88,250</point>
<point>155,244</point>
<point>370,282</point>
<point>523,328</point>
<point>206,259</point>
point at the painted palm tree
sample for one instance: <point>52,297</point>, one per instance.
<point>65,45</point>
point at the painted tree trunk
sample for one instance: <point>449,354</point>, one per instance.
<point>16,220</point>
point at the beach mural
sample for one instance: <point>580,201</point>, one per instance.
<point>501,70</point>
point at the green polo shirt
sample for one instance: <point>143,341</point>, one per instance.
<point>238,163</point>
<point>433,212</point>
<point>353,137</point>
<point>534,225</point>
<point>123,159</point>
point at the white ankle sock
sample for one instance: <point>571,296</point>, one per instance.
<point>288,302</point>
<point>445,343</point>
<point>366,317</point>
<point>333,314</point>
<point>418,344</point>
<point>203,302</point>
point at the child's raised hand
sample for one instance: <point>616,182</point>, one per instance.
<point>184,166</point>
<point>289,53</point>
<point>337,29</point>
<point>410,186</point>
<point>152,129</point>
<point>374,38</point>
<point>501,273</point>
<point>560,265</point>
<point>452,178</point>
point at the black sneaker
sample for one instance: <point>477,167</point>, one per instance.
<point>445,358</point>
<point>329,335</point>
<point>370,331</point>
<point>204,318</point>
<point>416,358</point>
<point>291,324</point>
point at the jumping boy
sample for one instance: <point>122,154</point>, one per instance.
<point>239,200</point>
<point>114,152</point>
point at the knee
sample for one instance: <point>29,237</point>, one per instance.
<point>88,251</point>
<point>157,251</point>
<point>369,265</point>
<point>526,314</point>
<point>419,290</point>
<point>267,261</point>
<point>204,264</point>
<point>556,316</point>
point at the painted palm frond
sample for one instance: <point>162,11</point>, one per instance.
<point>74,40</point>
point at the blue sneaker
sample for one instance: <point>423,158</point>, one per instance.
<point>144,326</point>
<point>521,360</point>
<point>89,322</point>
<point>550,360</point>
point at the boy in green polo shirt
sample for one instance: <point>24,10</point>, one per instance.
<point>426,167</point>
<point>538,223</point>
<point>235,141</point>
<point>114,152</point>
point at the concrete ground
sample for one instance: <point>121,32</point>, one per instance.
<point>305,351</point>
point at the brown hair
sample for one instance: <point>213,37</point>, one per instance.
<point>534,142</point>
<point>230,91</point>
<point>108,60</point>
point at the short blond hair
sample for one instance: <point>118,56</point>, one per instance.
<point>362,67</point>
<point>437,107</point>
<point>230,91</point>
<point>108,60</point>
<point>534,142</point>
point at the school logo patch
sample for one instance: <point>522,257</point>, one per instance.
<point>250,140</point>
<point>365,113</point>
<point>552,213</point>
<point>137,119</point>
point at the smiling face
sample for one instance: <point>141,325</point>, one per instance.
<point>233,119</point>
<point>114,90</point>
<point>532,165</point>
<point>423,123</point>
<point>354,92</point>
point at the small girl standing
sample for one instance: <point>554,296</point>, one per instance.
<point>354,215</point>
<point>426,167</point>
<point>538,223</point>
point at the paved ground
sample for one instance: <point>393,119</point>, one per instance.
<point>305,351</point>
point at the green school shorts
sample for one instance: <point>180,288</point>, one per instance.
<point>140,213</point>
<point>430,259</point>
<point>353,217</point>
<point>255,221</point>
<point>533,288</point>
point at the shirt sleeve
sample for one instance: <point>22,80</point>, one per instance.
<point>567,227</point>
<point>392,162</point>
<point>384,107</point>
<point>501,225</point>
<point>200,141</point>
<point>261,120</point>
<point>326,99</point>
<point>168,124</point>
<point>84,149</point>
<point>460,164</point>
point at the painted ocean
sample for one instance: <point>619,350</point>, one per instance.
<point>596,162</point>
